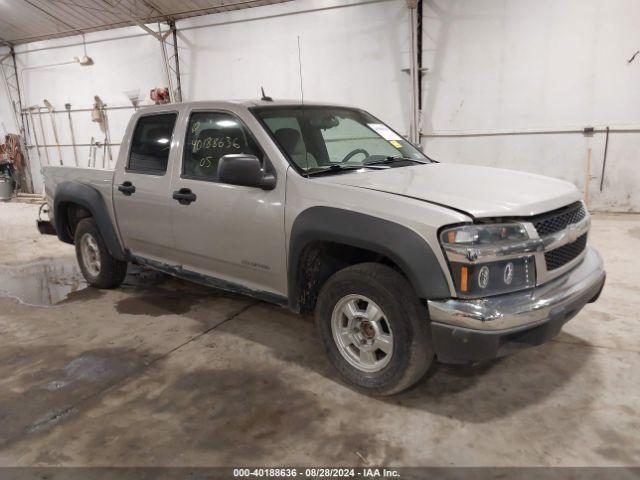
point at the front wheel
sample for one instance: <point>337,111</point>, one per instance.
<point>98,267</point>
<point>374,328</point>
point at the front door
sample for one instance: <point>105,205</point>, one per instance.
<point>141,196</point>
<point>234,233</point>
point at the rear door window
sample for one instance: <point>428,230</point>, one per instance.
<point>151,144</point>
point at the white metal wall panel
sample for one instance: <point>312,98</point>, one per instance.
<point>546,65</point>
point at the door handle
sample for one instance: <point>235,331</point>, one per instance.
<point>126,188</point>
<point>185,196</point>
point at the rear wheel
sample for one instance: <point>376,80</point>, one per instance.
<point>99,268</point>
<point>374,328</point>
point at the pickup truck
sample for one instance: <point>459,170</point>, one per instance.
<point>326,209</point>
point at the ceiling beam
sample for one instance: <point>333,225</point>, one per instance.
<point>132,19</point>
<point>153,6</point>
<point>54,17</point>
<point>87,8</point>
<point>234,5</point>
<point>118,11</point>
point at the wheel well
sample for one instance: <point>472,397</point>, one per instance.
<point>72,213</point>
<point>320,260</point>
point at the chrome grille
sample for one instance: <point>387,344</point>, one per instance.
<point>562,255</point>
<point>559,220</point>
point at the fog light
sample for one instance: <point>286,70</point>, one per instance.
<point>483,277</point>
<point>495,278</point>
<point>507,275</point>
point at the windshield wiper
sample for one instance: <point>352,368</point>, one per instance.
<point>378,164</point>
<point>337,167</point>
<point>392,160</point>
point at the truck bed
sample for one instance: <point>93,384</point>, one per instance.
<point>100,179</point>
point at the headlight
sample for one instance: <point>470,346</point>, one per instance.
<point>490,259</point>
<point>475,235</point>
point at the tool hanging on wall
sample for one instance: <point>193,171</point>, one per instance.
<point>107,133</point>
<point>604,159</point>
<point>91,161</point>
<point>134,98</point>
<point>104,153</point>
<point>49,107</point>
<point>107,138</point>
<point>35,134</point>
<point>159,95</point>
<point>99,115</point>
<point>67,107</point>
<point>44,137</point>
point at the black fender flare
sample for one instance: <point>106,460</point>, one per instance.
<point>90,199</point>
<point>400,244</point>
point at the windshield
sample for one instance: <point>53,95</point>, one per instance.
<point>318,139</point>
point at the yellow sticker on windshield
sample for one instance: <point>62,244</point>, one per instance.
<point>395,143</point>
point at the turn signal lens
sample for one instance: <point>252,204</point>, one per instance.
<point>464,279</point>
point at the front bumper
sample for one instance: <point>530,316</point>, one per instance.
<point>473,330</point>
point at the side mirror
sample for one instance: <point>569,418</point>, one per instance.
<point>243,169</point>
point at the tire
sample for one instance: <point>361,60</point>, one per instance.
<point>403,324</point>
<point>107,272</point>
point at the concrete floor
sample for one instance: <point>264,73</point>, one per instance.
<point>162,372</point>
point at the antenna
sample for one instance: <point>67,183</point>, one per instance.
<point>306,153</point>
<point>264,97</point>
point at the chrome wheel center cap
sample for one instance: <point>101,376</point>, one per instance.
<point>368,331</point>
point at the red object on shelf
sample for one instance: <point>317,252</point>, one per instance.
<point>159,95</point>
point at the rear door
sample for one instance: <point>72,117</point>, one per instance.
<point>231,232</point>
<point>141,188</point>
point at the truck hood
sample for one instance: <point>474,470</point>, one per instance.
<point>475,190</point>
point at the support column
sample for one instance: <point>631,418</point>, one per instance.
<point>414,72</point>
<point>176,61</point>
<point>171,61</point>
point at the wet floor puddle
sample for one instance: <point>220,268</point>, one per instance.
<point>50,282</point>
<point>43,283</point>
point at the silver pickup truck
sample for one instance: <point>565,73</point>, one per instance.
<point>326,209</point>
